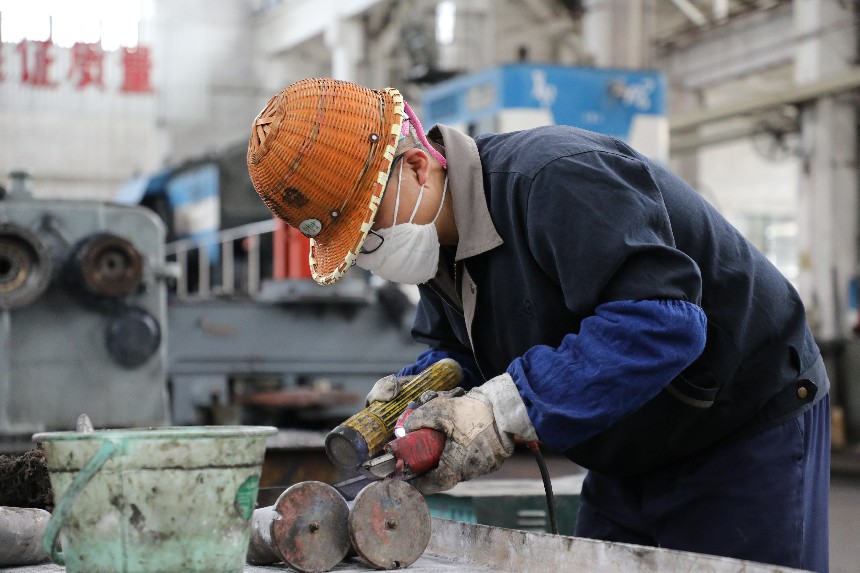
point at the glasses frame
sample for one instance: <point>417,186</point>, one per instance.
<point>364,251</point>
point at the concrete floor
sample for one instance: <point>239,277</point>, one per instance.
<point>845,524</point>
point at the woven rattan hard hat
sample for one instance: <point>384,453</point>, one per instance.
<point>319,157</point>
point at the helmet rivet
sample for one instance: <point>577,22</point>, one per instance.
<point>373,137</point>
<point>335,214</point>
<point>310,228</point>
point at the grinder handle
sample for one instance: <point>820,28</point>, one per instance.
<point>417,452</point>
<point>365,434</point>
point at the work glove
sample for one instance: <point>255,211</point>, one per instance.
<point>433,394</point>
<point>480,428</point>
<point>386,389</point>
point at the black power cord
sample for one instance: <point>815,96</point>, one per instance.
<point>547,485</point>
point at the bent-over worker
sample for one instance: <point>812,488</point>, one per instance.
<point>596,303</point>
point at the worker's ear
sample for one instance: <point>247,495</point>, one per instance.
<point>419,162</point>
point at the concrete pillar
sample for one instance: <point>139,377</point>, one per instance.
<point>472,45</point>
<point>828,203</point>
<point>345,40</point>
<point>615,32</point>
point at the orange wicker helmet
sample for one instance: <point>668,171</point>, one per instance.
<point>319,157</point>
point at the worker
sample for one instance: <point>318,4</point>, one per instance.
<point>596,303</point>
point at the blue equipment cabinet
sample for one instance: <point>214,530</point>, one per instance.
<point>627,104</point>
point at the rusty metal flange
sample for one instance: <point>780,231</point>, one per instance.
<point>311,531</point>
<point>389,524</point>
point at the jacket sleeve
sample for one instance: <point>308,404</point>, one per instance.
<point>622,357</point>
<point>431,356</point>
<point>597,226</point>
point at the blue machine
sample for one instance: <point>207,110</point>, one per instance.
<point>627,104</point>
<point>200,197</point>
<point>196,202</point>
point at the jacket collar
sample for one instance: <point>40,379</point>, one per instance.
<point>475,228</point>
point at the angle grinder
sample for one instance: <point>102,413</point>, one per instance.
<point>366,433</point>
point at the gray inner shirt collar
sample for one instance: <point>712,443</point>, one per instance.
<point>475,228</point>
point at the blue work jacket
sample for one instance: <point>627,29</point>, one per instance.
<point>638,325</point>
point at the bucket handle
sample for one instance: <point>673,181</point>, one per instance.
<point>49,541</point>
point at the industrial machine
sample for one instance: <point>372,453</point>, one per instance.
<point>291,356</point>
<point>627,104</point>
<point>100,313</point>
<point>83,314</point>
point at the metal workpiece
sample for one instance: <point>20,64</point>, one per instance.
<point>21,532</point>
<point>312,528</point>
<point>306,528</point>
<point>261,549</point>
<point>389,524</point>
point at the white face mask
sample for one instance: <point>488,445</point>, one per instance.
<point>409,253</point>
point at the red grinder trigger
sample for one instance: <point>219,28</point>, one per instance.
<point>408,456</point>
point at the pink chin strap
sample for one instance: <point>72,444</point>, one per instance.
<point>419,131</point>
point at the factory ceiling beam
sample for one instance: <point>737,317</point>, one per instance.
<point>691,12</point>
<point>742,47</point>
<point>720,10</point>
<point>841,83</point>
<point>288,24</point>
<point>541,10</point>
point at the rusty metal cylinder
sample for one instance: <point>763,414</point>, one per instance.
<point>389,524</point>
<point>21,533</point>
<point>312,528</point>
<point>261,549</point>
<point>306,528</point>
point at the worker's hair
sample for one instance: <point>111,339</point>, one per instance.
<point>409,141</point>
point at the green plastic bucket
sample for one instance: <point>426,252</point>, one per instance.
<point>156,500</point>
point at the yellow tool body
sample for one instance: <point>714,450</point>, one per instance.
<point>364,434</point>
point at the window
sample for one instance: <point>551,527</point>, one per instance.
<point>111,23</point>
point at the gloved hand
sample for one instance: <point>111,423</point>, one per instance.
<point>433,394</point>
<point>480,427</point>
<point>386,389</point>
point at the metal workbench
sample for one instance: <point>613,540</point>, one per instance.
<point>471,548</point>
